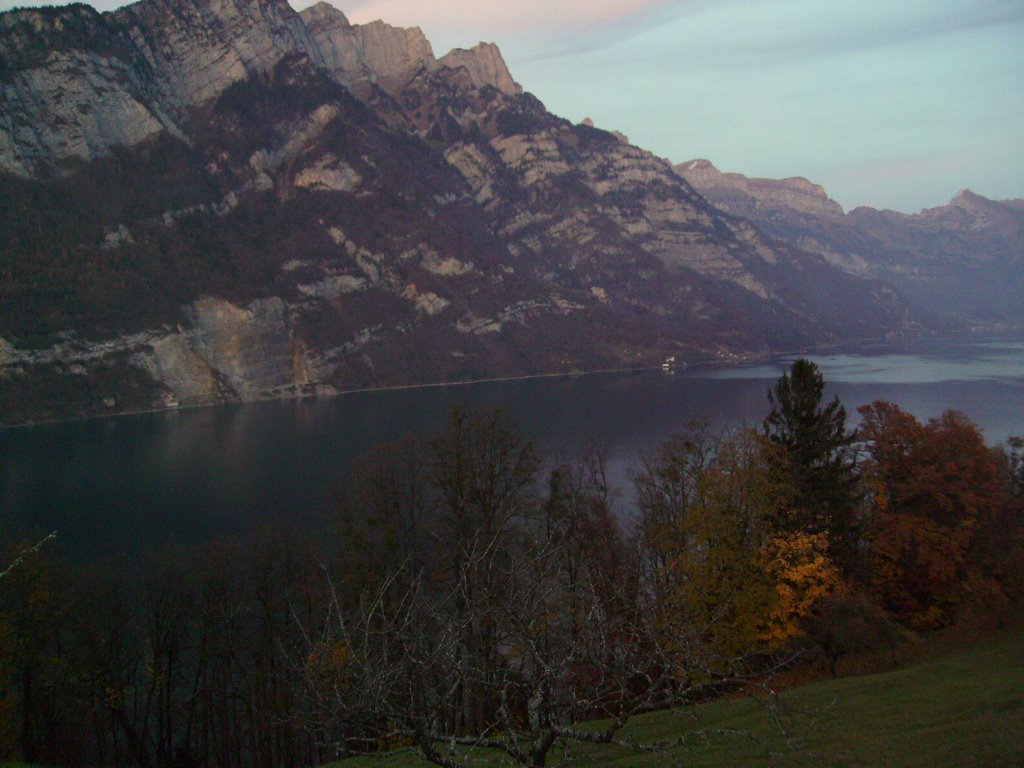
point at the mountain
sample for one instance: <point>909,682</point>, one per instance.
<point>963,260</point>
<point>215,200</point>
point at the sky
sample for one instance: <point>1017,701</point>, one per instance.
<point>893,105</point>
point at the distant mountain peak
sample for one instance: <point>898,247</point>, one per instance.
<point>795,192</point>
<point>623,138</point>
<point>485,65</point>
<point>360,54</point>
<point>323,14</point>
<point>698,165</point>
<point>966,198</point>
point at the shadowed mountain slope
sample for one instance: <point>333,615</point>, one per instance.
<point>215,200</point>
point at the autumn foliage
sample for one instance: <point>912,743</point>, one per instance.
<point>802,575</point>
<point>813,533</point>
<point>936,503</point>
<point>479,594</point>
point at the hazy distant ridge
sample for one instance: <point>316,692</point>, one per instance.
<point>964,259</point>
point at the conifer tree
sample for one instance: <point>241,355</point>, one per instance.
<point>818,459</point>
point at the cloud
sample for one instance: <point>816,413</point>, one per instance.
<point>530,27</point>
<point>99,5</point>
<point>534,27</point>
<point>784,32</point>
<point>501,15</point>
<point>905,183</point>
<point>901,168</point>
<point>894,29</point>
<point>715,34</point>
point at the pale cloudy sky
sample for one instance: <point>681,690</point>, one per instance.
<point>888,104</point>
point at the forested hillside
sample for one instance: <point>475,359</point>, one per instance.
<point>474,593</point>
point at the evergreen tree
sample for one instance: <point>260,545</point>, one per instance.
<point>817,458</point>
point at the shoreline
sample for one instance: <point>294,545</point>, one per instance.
<point>738,360</point>
<point>339,393</point>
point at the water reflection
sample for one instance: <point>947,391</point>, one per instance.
<point>989,361</point>
<point>123,484</point>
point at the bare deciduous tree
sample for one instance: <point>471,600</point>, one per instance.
<point>528,617</point>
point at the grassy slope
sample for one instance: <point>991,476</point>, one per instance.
<point>962,706</point>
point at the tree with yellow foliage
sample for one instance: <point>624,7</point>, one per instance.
<point>798,567</point>
<point>736,582</point>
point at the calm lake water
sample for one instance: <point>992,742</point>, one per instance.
<point>131,483</point>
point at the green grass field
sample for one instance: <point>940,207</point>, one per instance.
<point>960,704</point>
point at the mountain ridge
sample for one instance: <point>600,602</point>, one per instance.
<point>965,257</point>
<point>795,192</point>
<point>252,203</point>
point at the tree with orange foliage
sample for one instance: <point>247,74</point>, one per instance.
<point>999,543</point>
<point>934,488</point>
<point>802,576</point>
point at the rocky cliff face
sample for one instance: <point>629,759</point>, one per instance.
<point>196,50</point>
<point>208,200</point>
<point>359,56</point>
<point>72,89</point>
<point>962,262</point>
<point>485,66</point>
<point>744,196</point>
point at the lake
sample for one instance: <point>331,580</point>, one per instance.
<point>135,482</point>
